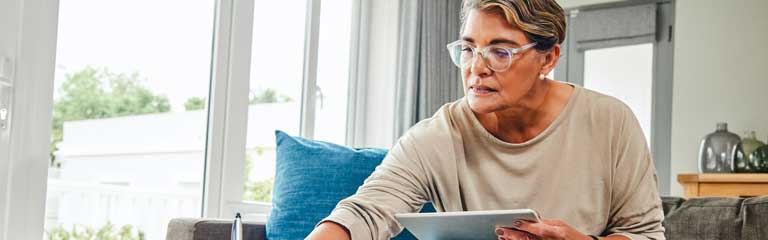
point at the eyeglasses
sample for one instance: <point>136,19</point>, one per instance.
<point>497,58</point>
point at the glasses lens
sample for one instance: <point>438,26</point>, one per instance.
<point>461,54</point>
<point>498,58</point>
<point>466,54</point>
<point>455,53</point>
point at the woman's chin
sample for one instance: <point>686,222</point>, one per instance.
<point>482,106</point>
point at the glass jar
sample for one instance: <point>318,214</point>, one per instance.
<point>760,159</point>
<point>716,152</point>
<point>744,163</point>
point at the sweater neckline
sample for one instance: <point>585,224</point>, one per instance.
<point>552,126</point>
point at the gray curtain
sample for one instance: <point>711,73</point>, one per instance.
<point>426,78</point>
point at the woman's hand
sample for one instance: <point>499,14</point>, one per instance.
<point>544,230</point>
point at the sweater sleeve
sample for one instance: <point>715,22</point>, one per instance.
<point>398,185</point>
<point>636,210</point>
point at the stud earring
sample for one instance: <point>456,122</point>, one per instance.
<point>541,76</point>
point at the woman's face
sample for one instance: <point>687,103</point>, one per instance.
<point>488,91</point>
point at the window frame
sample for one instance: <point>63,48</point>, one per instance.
<point>29,43</point>
<point>228,105</point>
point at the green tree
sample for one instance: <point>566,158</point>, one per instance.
<point>95,93</point>
<point>258,191</point>
<point>268,96</point>
<point>195,103</point>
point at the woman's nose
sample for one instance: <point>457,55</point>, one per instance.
<point>479,67</point>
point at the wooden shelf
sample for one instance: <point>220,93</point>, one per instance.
<point>724,184</point>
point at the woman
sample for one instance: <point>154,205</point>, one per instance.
<point>516,140</point>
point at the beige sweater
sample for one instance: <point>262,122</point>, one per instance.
<point>590,168</point>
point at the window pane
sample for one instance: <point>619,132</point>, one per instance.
<point>333,71</point>
<point>276,79</point>
<point>129,124</point>
<point>630,80</point>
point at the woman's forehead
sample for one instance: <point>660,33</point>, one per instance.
<point>484,26</point>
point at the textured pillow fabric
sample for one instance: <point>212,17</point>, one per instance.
<point>754,213</point>
<point>311,178</point>
<point>705,218</point>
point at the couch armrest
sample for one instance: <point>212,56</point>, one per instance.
<point>212,229</point>
<point>669,203</point>
<point>181,229</point>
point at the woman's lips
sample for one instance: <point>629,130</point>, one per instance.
<point>481,90</point>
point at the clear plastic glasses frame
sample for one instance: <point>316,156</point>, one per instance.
<point>497,58</point>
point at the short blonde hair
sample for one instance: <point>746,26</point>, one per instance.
<point>542,21</point>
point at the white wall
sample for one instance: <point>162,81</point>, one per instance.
<point>141,149</point>
<point>720,74</point>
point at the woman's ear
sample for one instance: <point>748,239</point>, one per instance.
<point>550,59</point>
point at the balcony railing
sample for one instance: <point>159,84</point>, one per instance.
<point>74,203</point>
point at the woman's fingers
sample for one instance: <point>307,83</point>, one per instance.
<point>544,230</point>
<point>512,234</point>
<point>547,229</point>
<point>554,222</point>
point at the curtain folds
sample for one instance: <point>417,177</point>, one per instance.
<point>426,78</point>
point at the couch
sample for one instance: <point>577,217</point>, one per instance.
<point>698,218</point>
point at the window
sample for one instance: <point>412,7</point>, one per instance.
<point>131,85</point>
<point>277,60</point>
<point>333,71</point>
<point>159,114</point>
<point>276,80</point>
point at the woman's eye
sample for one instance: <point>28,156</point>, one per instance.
<point>500,53</point>
<point>466,49</point>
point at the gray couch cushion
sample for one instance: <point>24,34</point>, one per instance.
<point>705,218</point>
<point>755,211</point>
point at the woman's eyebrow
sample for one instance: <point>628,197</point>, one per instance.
<point>502,40</point>
<point>493,42</point>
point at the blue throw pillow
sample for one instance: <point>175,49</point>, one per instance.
<point>311,178</point>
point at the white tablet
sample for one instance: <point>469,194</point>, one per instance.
<point>462,225</point>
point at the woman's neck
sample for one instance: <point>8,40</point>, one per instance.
<point>531,115</point>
